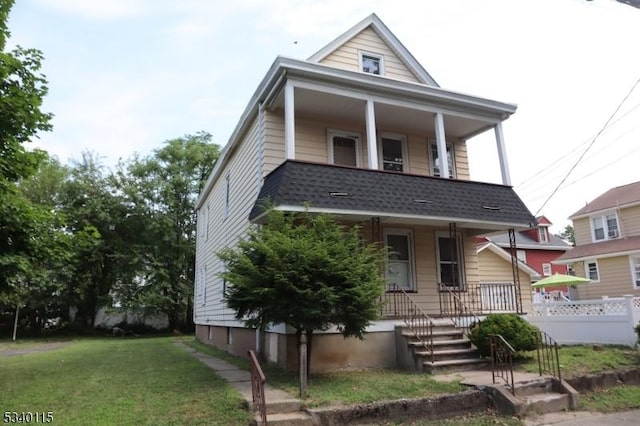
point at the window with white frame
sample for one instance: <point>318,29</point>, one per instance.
<point>227,195</point>
<point>344,148</point>
<point>433,158</point>
<point>605,227</point>
<point>204,286</point>
<point>591,270</point>
<point>521,255</point>
<point>635,270</point>
<point>450,260</point>
<point>393,152</point>
<point>400,260</point>
<point>546,269</point>
<point>371,63</point>
<point>543,234</point>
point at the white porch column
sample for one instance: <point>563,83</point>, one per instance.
<point>502,155</point>
<point>372,149</point>
<point>289,122</point>
<point>441,144</point>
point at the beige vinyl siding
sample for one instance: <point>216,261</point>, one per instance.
<point>244,172</point>
<point>495,269</point>
<point>273,153</point>
<point>615,279</point>
<point>347,56</point>
<point>582,231</point>
<point>461,160</point>
<point>629,221</point>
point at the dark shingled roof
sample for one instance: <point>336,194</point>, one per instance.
<point>330,187</point>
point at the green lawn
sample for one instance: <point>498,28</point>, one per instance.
<point>118,381</point>
<point>580,360</point>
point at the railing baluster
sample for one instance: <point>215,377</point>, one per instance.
<point>502,360</point>
<point>257,387</point>
<point>548,357</point>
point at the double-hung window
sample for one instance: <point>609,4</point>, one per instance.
<point>605,227</point>
<point>399,270</point>
<point>635,270</point>
<point>543,234</point>
<point>344,148</point>
<point>393,152</point>
<point>433,158</point>
<point>546,269</point>
<point>450,261</point>
<point>591,270</point>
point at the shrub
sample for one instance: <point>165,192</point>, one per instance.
<point>637,329</point>
<point>513,328</point>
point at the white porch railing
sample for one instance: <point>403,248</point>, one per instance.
<point>606,321</point>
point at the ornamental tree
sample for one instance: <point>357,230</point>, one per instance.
<point>307,271</point>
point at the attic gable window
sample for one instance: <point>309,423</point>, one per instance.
<point>371,63</point>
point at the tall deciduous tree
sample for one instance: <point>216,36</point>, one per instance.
<point>22,89</point>
<point>306,271</point>
<point>163,189</point>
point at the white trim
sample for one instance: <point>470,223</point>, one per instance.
<point>370,118</point>
<point>403,146</point>
<point>546,269</point>
<point>421,218</point>
<point>346,134</point>
<point>411,263</point>
<point>377,56</point>
<point>586,270</point>
<point>597,256</point>
<point>441,143</point>
<point>502,154</point>
<point>289,121</point>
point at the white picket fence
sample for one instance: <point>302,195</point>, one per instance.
<point>608,321</point>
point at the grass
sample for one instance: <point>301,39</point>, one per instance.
<point>580,360</point>
<point>343,388</point>
<point>119,381</point>
<point>619,398</point>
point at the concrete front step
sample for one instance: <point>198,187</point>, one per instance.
<point>533,387</point>
<point>449,354</point>
<point>283,406</point>
<point>443,345</point>
<point>454,365</point>
<point>437,335</point>
<point>298,418</point>
<point>548,402</point>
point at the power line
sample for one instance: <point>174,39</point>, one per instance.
<point>589,146</point>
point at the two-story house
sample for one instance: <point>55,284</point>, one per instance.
<point>607,251</point>
<point>362,131</point>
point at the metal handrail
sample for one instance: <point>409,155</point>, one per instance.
<point>547,351</point>
<point>455,308</point>
<point>502,360</point>
<point>419,322</point>
<point>257,387</point>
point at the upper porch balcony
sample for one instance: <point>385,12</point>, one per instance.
<point>321,114</point>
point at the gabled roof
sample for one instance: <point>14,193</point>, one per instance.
<point>609,248</point>
<point>294,185</point>
<point>388,37</point>
<point>505,256</point>
<point>524,241</point>
<point>621,196</point>
<point>543,220</point>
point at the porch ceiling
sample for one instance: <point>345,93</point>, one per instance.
<point>396,198</point>
<point>330,106</point>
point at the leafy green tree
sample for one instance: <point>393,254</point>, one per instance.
<point>568,235</point>
<point>162,190</point>
<point>22,89</point>
<point>306,271</point>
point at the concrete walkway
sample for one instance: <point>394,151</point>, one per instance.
<point>277,400</point>
<point>482,377</point>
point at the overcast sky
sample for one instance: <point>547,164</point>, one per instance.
<point>126,75</point>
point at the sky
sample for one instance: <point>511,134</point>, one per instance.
<point>126,75</point>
